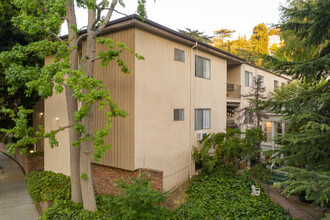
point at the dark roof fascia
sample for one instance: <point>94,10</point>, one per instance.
<point>137,21</point>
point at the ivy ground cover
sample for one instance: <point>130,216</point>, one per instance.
<point>223,194</point>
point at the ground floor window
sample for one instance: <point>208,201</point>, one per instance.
<point>268,131</point>
<point>202,118</point>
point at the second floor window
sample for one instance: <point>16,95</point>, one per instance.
<point>178,55</point>
<point>202,67</point>
<point>275,84</point>
<point>202,118</point>
<point>248,79</point>
<point>178,114</point>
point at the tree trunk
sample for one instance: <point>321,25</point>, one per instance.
<point>72,106</point>
<point>85,151</point>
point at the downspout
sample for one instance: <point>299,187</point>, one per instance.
<point>190,110</point>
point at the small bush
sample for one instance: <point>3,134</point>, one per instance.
<point>138,200</point>
<point>260,172</point>
<point>47,185</point>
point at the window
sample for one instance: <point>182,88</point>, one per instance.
<point>178,114</point>
<point>248,79</point>
<point>178,55</point>
<point>202,118</point>
<point>275,84</point>
<point>261,81</point>
<point>268,131</point>
<point>248,117</point>
<point>202,67</point>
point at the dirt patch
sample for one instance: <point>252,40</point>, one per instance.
<point>178,196</point>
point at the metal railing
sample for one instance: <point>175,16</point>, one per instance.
<point>233,90</point>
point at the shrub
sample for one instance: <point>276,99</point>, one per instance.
<point>138,200</point>
<point>228,147</point>
<point>260,172</point>
<point>47,185</point>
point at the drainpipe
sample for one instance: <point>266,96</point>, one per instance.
<point>190,110</point>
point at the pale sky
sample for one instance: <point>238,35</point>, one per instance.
<point>206,15</point>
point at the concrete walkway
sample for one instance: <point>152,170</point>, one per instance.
<point>15,202</point>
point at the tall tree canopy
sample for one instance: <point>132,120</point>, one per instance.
<point>44,18</point>
<point>10,36</point>
<point>306,104</point>
<point>196,34</point>
<point>306,30</point>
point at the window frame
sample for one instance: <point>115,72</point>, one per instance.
<point>275,84</point>
<point>248,79</point>
<point>202,122</point>
<point>178,110</point>
<point>179,53</point>
<point>204,73</point>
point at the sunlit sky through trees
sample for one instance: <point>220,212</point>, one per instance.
<point>206,16</point>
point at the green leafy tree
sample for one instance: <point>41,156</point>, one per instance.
<point>259,39</point>
<point>305,27</point>
<point>220,36</point>
<point>305,146</point>
<point>64,75</point>
<point>196,34</point>
<point>10,36</point>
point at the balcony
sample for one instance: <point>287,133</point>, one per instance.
<point>233,91</point>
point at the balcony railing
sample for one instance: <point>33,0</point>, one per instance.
<point>233,90</point>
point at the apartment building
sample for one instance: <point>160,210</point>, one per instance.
<point>180,92</point>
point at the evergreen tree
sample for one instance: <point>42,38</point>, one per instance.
<point>305,146</point>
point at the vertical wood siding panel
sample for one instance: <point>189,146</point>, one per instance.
<point>121,137</point>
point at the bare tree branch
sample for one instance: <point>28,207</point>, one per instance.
<point>119,12</point>
<point>107,18</point>
<point>81,36</point>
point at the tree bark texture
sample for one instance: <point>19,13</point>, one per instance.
<point>85,151</point>
<point>72,106</point>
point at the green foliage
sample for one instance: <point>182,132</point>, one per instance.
<point>228,147</point>
<point>259,39</point>
<point>10,36</point>
<point>260,172</point>
<point>306,106</point>
<point>223,194</point>
<point>20,135</point>
<point>47,185</point>
<point>305,145</point>
<point>315,185</point>
<point>305,27</point>
<point>137,201</point>
<point>196,34</point>
<point>83,176</point>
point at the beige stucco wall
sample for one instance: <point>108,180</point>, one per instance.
<point>268,83</point>
<point>162,85</point>
<point>234,74</point>
<point>57,159</point>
